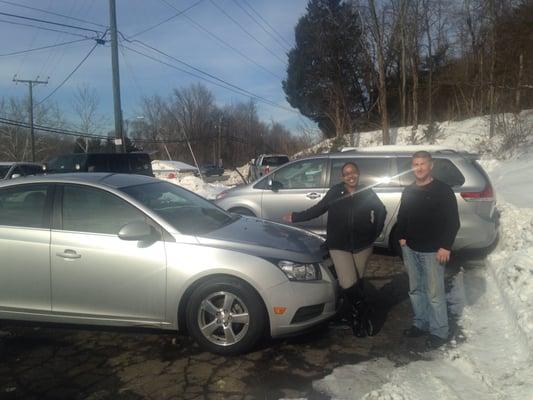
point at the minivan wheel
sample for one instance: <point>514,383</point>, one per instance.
<point>225,316</point>
<point>242,211</point>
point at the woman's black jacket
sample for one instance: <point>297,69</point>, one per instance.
<point>354,221</point>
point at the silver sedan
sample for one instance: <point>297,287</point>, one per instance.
<point>131,250</point>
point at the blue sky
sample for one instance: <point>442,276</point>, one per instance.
<point>178,37</point>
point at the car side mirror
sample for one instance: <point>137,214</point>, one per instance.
<point>138,231</point>
<point>274,185</point>
<point>15,176</point>
<point>252,161</point>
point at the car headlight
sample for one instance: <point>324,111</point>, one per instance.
<point>300,272</point>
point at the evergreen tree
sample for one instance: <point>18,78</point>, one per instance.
<point>323,75</point>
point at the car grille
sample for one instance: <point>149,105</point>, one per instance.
<point>308,312</point>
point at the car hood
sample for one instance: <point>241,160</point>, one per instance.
<point>267,239</point>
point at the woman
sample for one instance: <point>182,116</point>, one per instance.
<point>355,219</point>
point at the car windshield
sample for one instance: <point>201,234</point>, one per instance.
<point>187,212</point>
<point>3,171</point>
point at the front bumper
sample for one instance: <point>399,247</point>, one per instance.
<point>306,303</point>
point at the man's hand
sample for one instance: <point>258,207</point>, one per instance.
<point>287,217</point>
<point>402,242</point>
<point>443,255</point>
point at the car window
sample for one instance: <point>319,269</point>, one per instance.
<point>87,209</point>
<point>23,206</point>
<point>4,169</point>
<point>372,170</point>
<point>97,163</point>
<point>275,161</point>
<point>443,169</point>
<point>31,169</point>
<point>139,163</point>
<point>67,163</point>
<point>187,212</point>
<point>301,175</point>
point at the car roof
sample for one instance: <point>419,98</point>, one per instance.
<point>99,178</point>
<point>396,150</point>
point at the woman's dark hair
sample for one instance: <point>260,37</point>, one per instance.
<point>352,164</point>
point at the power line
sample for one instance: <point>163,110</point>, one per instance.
<point>42,48</point>
<point>180,12</point>
<point>219,39</point>
<point>266,22</point>
<point>69,75</point>
<point>45,29</point>
<point>227,85</point>
<point>261,26</point>
<point>181,70</point>
<point>49,129</point>
<point>52,13</point>
<point>49,22</point>
<point>245,31</point>
<point>69,132</point>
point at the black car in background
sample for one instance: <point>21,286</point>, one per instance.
<point>124,163</point>
<point>211,169</point>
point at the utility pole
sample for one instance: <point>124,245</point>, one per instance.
<point>30,85</point>
<point>219,159</point>
<point>120,143</point>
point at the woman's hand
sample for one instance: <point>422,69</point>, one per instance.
<point>287,217</point>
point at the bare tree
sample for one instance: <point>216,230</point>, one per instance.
<point>377,30</point>
<point>85,105</point>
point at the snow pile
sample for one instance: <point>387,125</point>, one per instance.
<point>470,135</point>
<point>197,185</point>
<point>235,177</point>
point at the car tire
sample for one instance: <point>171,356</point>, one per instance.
<point>242,211</point>
<point>226,316</point>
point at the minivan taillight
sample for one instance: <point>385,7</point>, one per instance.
<point>485,194</point>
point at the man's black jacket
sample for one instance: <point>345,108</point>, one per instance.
<point>354,221</point>
<point>428,218</point>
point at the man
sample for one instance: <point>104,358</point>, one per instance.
<point>428,221</point>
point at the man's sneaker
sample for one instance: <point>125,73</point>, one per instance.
<point>434,342</point>
<point>413,332</point>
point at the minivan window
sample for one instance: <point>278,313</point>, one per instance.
<point>443,169</point>
<point>304,174</point>
<point>24,206</point>
<point>373,170</point>
<point>87,209</point>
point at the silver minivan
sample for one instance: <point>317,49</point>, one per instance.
<point>387,169</point>
<point>131,250</point>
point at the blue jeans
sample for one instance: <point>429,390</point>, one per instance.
<point>426,290</point>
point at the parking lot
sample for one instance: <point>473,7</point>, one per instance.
<point>65,363</point>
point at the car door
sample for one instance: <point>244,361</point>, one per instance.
<point>376,172</point>
<point>96,274</point>
<point>296,187</point>
<point>25,248</point>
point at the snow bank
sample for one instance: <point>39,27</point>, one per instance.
<point>470,135</point>
<point>198,186</point>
